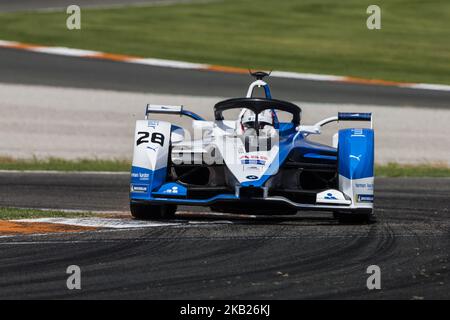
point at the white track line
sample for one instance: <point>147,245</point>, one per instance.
<point>73,52</point>
<point>113,223</point>
<point>168,63</point>
<point>6,43</point>
<point>427,86</point>
<point>63,51</point>
<point>306,76</point>
<point>101,222</point>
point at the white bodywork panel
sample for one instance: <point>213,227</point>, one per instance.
<point>360,191</point>
<point>247,164</point>
<point>335,140</point>
<point>222,137</point>
<point>332,196</point>
<point>151,144</point>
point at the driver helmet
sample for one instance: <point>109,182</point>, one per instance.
<point>265,118</point>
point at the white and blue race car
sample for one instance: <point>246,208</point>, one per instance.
<point>260,162</point>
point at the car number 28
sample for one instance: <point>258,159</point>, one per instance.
<point>155,138</point>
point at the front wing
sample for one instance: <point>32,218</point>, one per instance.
<point>174,193</point>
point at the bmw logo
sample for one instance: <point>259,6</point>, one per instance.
<point>252,177</point>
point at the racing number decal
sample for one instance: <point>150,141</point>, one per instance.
<point>144,136</point>
<point>156,138</point>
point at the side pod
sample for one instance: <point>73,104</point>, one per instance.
<point>356,166</point>
<point>151,151</point>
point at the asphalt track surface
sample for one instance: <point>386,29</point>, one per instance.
<point>23,67</point>
<point>306,256</point>
<point>31,5</point>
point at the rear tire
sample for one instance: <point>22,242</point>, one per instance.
<point>150,211</point>
<point>354,218</point>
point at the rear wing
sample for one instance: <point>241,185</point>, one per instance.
<point>168,109</point>
<point>342,116</point>
<point>352,116</point>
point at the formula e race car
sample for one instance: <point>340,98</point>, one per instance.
<point>255,163</point>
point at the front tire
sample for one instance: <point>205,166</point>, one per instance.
<point>151,211</point>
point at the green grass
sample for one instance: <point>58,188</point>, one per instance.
<point>16,213</point>
<point>64,165</point>
<point>389,170</point>
<point>424,170</point>
<point>319,36</point>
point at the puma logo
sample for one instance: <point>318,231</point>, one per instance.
<point>356,157</point>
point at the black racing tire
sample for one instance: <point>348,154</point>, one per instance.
<point>142,211</point>
<point>354,218</point>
